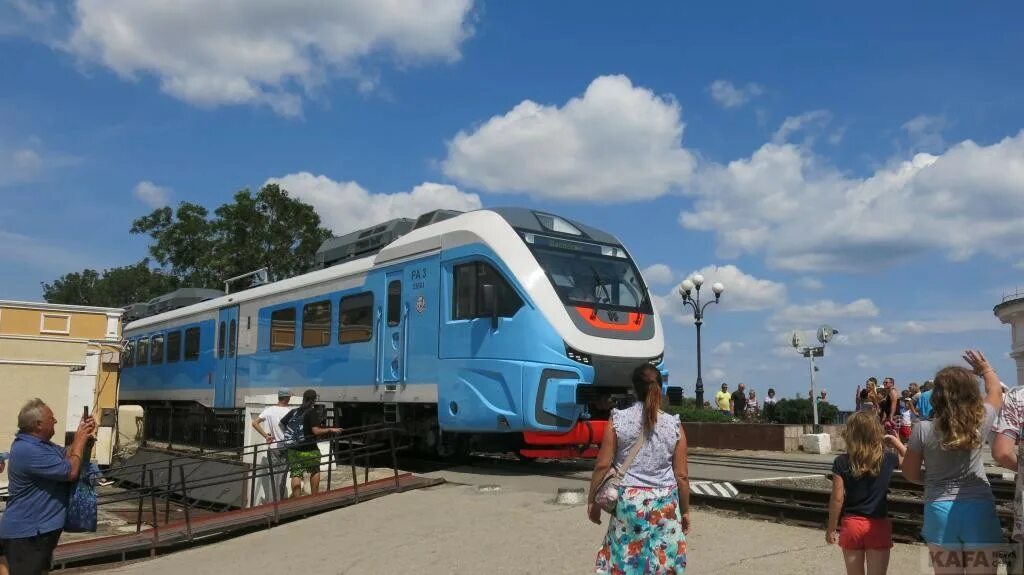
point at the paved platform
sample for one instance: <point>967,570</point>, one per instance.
<point>516,529</point>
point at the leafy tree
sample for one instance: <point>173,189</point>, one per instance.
<point>115,287</point>
<point>268,229</point>
<point>182,242</point>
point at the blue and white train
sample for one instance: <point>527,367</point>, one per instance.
<point>513,327</point>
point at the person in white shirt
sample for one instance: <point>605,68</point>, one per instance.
<point>272,415</point>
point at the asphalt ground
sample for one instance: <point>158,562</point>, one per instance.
<point>498,519</point>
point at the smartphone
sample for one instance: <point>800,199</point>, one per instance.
<point>85,412</point>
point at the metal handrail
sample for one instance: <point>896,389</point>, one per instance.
<point>1017,293</point>
<point>149,488</point>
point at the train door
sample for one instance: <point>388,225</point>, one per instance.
<point>394,332</point>
<point>227,357</point>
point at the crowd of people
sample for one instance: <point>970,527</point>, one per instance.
<point>742,404</point>
<point>951,420</point>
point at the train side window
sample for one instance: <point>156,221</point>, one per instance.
<point>355,318</point>
<point>282,329</point>
<point>192,344</point>
<point>395,303</point>
<point>142,352</point>
<point>220,339</point>
<point>173,346</point>
<point>467,292</point>
<point>232,338</point>
<point>128,356</point>
<point>156,350</point>
<point>316,324</point>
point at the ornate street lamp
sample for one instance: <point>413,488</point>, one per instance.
<point>688,286</point>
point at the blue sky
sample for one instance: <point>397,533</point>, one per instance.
<point>861,169</point>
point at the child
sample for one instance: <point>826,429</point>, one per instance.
<point>860,481</point>
<point>906,415</point>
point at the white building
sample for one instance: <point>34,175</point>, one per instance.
<point>1011,311</point>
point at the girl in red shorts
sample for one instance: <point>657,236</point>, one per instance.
<point>860,480</point>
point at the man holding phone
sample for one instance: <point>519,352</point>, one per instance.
<point>39,481</point>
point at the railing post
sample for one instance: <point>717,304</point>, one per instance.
<point>394,456</point>
<point>330,462</point>
<point>366,466</point>
<point>185,501</point>
<point>202,432</point>
<point>252,476</point>
<point>352,462</point>
<point>170,427</point>
<point>142,488</point>
<point>273,481</point>
<point>156,521</point>
<point>167,500</point>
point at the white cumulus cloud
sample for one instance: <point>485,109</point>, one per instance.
<point>658,274</point>
<point>803,214</point>
<point>743,292</point>
<point>261,51</point>
<point>151,194</point>
<point>727,347</point>
<point>347,206</point>
<point>798,315</point>
<point>615,143</point>
<point>727,95</point>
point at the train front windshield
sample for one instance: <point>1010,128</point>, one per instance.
<point>591,275</point>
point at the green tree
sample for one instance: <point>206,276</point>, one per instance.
<point>269,229</point>
<point>115,287</point>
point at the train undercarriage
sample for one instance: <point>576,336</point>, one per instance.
<point>190,424</point>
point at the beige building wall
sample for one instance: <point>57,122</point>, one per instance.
<point>20,383</point>
<point>40,346</point>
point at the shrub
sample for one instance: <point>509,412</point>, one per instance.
<point>689,412</point>
<point>798,411</point>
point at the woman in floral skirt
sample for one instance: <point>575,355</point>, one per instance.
<point>647,533</point>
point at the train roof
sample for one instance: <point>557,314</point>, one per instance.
<point>418,241</point>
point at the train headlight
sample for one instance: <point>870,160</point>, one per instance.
<point>577,356</point>
<point>657,360</point>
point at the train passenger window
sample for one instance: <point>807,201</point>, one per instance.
<point>282,329</point>
<point>316,324</point>
<point>128,356</point>
<point>394,303</point>
<point>220,340</point>
<point>467,295</point>
<point>173,346</point>
<point>355,318</point>
<point>192,344</point>
<point>156,349</point>
<point>142,352</point>
<point>232,338</point>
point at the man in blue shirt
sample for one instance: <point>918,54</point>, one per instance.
<point>39,477</point>
<point>924,401</point>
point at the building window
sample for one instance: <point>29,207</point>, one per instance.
<point>316,324</point>
<point>282,329</point>
<point>394,303</point>
<point>192,344</point>
<point>173,346</point>
<point>355,318</point>
<point>468,296</point>
<point>232,338</point>
<point>142,352</point>
<point>220,340</point>
<point>156,350</point>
